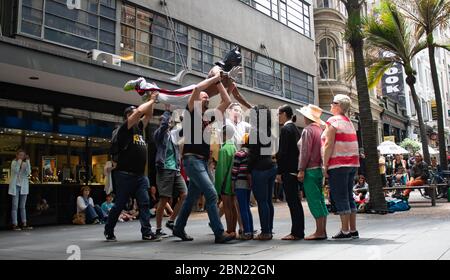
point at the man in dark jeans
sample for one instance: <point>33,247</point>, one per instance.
<point>129,174</point>
<point>196,153</point>
<point>287,160</point>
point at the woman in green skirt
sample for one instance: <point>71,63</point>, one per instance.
<point>310,168</point>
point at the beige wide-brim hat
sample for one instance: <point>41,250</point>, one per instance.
<point>312,112</point>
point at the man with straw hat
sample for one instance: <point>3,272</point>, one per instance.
<point>310,168</point>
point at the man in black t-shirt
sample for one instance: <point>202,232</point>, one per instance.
<point>129,174</point>
<point>196,152</point>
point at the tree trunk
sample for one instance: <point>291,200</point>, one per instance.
<point>410,80</point>
<point>440,110</point>
<point>369,131</point>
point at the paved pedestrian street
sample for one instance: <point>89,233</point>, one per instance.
<point>420,233</point>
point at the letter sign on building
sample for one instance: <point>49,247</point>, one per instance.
<point>392,85</point>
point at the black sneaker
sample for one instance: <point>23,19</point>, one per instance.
<point>110,237</point>
<point>223,238</point>
<point>182,235</point>
<point>170,225</point>
<point>151,237</point>
<point>355,235</point>
<point>160,233</point>
<point>342,236</point>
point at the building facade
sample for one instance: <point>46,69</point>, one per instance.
<point>63,64</point>
<point>425,92</point>
<point>335,59</point>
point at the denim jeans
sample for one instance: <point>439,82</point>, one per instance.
<point>94,212</point>
<point>126,185</point>
<point>199,182</point>
<point>291,189</point>
<point>243,197</point>
<point>263,184</point>
<point>18,201</point>
<point>341,189</point>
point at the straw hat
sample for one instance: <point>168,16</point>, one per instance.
<point>312,112</point>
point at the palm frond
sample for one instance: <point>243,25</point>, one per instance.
<point>376,71</point>
<point>418,47</point>
<point>389,32</point>
<point>431,15</point>
<point>446,46</point>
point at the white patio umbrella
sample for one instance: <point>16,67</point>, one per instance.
<point>431,150</point>
<point>389,147</point>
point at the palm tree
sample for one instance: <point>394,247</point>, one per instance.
<point>388,32</point>
<point>354,38</point>
<point>428,16</point>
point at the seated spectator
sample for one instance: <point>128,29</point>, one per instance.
<point>132,208</point>
<point>435,166</point>
<point>41,205</point>
<point>419,174</point>
<point>154,201</point>
<point>130,212</point>
<point>400,177</point>
<point>93,213</point>
<point>361,189</point>
<point>108,204</point>
<point>361,194</point>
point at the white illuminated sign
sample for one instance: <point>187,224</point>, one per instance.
<point>73,4</point>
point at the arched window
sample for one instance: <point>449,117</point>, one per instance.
<point>324,3</point>
<point>327,58</point>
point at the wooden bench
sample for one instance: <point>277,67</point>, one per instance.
<point>432,187</point>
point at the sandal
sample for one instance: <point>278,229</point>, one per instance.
<point>291,237</point>
<point>263,236</point>
<point>316,238</point>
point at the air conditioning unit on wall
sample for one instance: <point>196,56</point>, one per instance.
<point>104,57</point>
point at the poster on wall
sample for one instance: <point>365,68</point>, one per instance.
<point>48,169</point>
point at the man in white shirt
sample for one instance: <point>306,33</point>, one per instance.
<point>234,119</point>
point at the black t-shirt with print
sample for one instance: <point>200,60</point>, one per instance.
<point>133,149</point>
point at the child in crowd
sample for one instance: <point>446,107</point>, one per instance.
<point>108,204</point>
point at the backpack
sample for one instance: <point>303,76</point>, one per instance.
<point>398,205</point>
<point>115,149</point>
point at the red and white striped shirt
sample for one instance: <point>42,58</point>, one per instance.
<point>345,152</point>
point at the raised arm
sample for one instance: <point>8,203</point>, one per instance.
<point>232,88</point>
<point>203,85</point>
<point>235,92</point>
<point>15,166</point>
<point>162,129</point>
<point>226,100</point>
<point>145,109</point>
